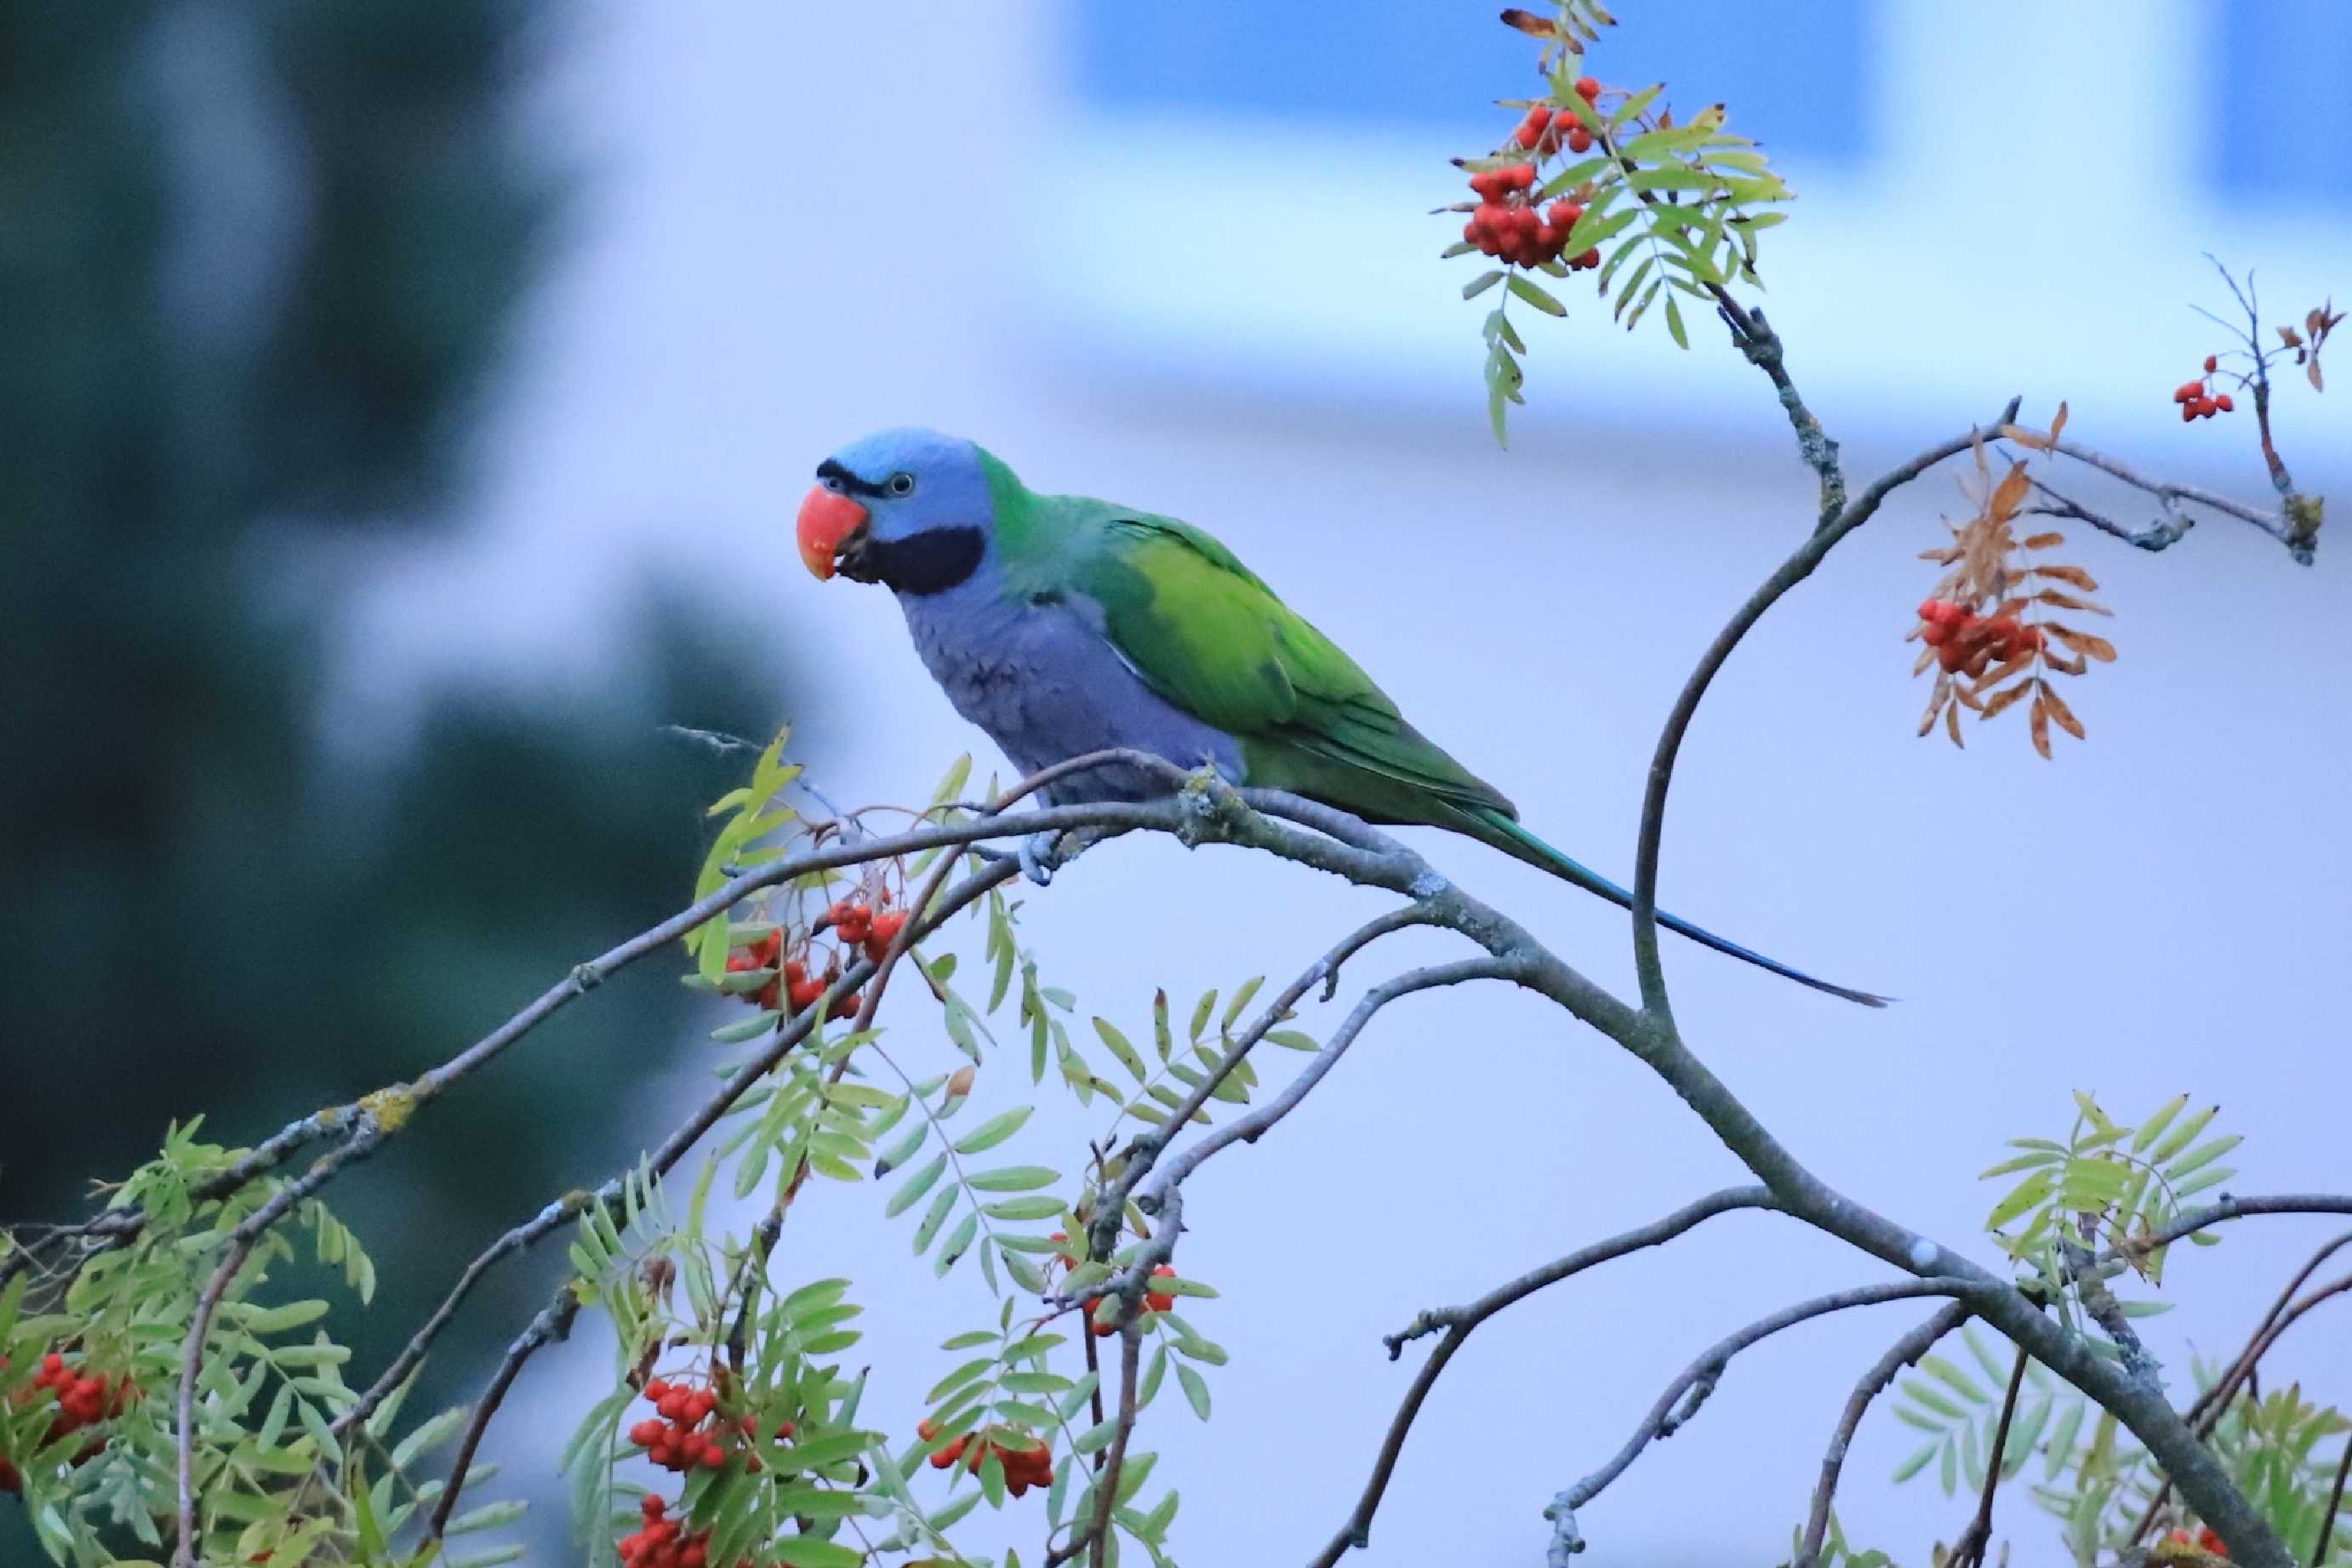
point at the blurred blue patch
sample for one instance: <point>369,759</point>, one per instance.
<point>1800,85</point>
<point>2286,109</point>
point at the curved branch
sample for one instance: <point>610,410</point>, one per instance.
<point>1666,1413</point>
<point>2235,1208</point>
<point>241,1240</point>
<point>2167,494</point>
<point>1904,1352</point>
<point>1458,1322</point>
<point>1250,1128</point>
<point>1793,572</point>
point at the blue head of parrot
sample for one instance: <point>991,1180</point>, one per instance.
<point>910,508</point>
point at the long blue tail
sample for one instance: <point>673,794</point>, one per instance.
<point>1506,835</point>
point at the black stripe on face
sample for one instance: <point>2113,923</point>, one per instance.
<point>847,482</point>
<point>929,562</point>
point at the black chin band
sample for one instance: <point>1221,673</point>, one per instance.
<point>929,562</point>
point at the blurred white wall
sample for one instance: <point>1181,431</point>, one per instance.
<point>797,223</point>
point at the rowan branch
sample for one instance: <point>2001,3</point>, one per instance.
<point>2231,1208</point>
<point>2205,1412</point>
<point>553,1322</point>
<point>1904,1352</point>
<point>1457,1322</point>
<point>1800,565</point>
<point>2169,493</point>
<point>1669,1409</point>
<point>1968,1551</point>
<point>368,1134</point>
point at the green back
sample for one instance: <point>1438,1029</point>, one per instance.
<point>1206,634</point>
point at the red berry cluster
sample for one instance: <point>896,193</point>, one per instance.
<point>1154,1301</point>
<point>1544,132</point>
<point>793,984</point>
<point>796,990</point>
<point>1507,225</point>
<point>678,1439</point>
<point>1024,1466</point>
<point>2196,398</point>
<point>2204,1541</point>
<point>83,1401</point>
<point>663,1542</point>
<point>1970,643</point>
<point>863,926</point>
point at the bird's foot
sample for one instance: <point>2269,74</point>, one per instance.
<point>1039,857</point>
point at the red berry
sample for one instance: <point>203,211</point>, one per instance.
<point>652,1506</point>
<point>1522,175</point>
<point>1590,259</point>
<point>2206,406</point>
<point>656,1390</point>
<point>1588,88</point>
<point>2188,411</point>
<point>1935,634</point>
<point>1580,140</point>
<point>1527,135</point>
<point>672,1404</point>
<point>1564,214</point>
<point>2188,391</point>
<point>2212,362</point>
<point>2224,403</point>
<point>647,1433</point>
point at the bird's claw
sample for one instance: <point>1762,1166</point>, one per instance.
<point>1039,859</point>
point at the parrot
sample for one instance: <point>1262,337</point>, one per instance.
<point>1062,625</point>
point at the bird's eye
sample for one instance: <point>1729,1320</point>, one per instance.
<point>831,482</point>
<point>902,484</point>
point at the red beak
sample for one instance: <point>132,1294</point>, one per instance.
<point>827,518</point>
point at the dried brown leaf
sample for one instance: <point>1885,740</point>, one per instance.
<point>2024,437</point>
<point>1926,657</point>
<point>2011,495</point>
<point>2009,667</point>
<point>2312,370</point>
<point>2058,422</point>
<point>2073,574</point>
<point>1533,25</point>
<point>2098,648</point>
<point>1952,725</point>
<point>2041,724</point>
<point>1943,557</point>
<point>2060,711</point>
<point>2068,602</point>
<point>2290,336</point>
<point>1935,703</point>
<point>2063,665</point>
<point>2002,699</point>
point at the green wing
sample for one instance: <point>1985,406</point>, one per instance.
<point>1205,634</point>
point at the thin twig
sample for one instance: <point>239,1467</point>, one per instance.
<point>1250,1128</point>
<point>1130,1357</point>
<point>1144,1152</point>
<point>553,1322</point>
<point>2335,1502</point>
<point>2231,1208</point>
<point>1904,1352</point>
<point>1457,1322</point>
<point>2278,527</point>
<point>1710,1365</point>
<point>1968,1551</point>
<point>241,1242</point>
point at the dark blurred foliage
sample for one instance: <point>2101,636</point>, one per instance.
<point>257,264</point>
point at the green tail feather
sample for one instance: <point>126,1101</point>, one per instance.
<point>1495,829</point>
